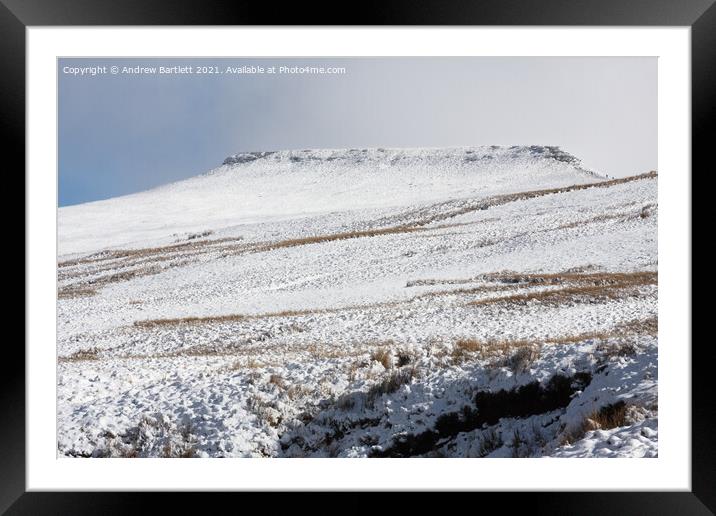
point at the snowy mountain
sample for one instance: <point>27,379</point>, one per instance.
<point>487,301</point>
<point>252,187</point>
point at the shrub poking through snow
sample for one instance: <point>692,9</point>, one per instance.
<point>154,436</point>
<point>405,357</point>
<point>278,381</point>
<point>522,359</point>
<point>384,356</point>
<point>264,409</point>
<point>465,349</point>
<point>613,350</point>
<point>391,383</point>
<point>610,416</point>
<point>607,417</point>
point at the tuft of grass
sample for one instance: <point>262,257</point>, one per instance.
<point>465,349</point>
<point>523,358</point>
<point>469,345</point>
<point>277,380</point>
<point>612,350</point>
<point>297,391</point>
<point>610,416</point>
<point>405,357</point>
<point>383,356</point>
<point>390,383</point>
<point>265,410</point>
<point>468,349</point>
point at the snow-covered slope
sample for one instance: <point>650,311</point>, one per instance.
<point>494,301</point>
<point>261,186</point>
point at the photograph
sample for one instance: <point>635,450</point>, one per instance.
<point>357,257</point>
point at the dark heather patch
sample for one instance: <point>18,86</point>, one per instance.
<point>489,407</point>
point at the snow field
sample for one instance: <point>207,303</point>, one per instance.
<point>342,303</point>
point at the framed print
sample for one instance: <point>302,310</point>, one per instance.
<point>399,255</point>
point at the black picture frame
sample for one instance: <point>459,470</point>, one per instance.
<point>16,15</point>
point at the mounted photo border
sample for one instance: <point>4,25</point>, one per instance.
<point>23,15</point>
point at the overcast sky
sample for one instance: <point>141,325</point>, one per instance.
<point>120,134</point>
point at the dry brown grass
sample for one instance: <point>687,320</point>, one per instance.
<point>231,318</point>
<point>179,441</point>
<point>391,383</point>
<point>81,356</point>
<point>298,391</point>
<point>508,280</point>
<point>383,356</point>
<point>610,416</point>
<point>481,289</point>
<point>332,237</point>
<point>265,410</point>
<point>132,263</point>
<point>499,200</point>
<point>611,350</point>
<point>249,352</point>
<point>575,277</point>
<point>116,254</point>
<point>73,292</point>
<point>648,326</point>
<point>465,350</point>
<point>525,351</point>
<point>92,285</point>
<point>278,381</point>
<point>88,273</point>
<point>151,323</point>
<point>593,220</point>
<point>584,288</point>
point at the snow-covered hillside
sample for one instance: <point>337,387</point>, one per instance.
<point>274,186</point>
<point>487,301</point>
